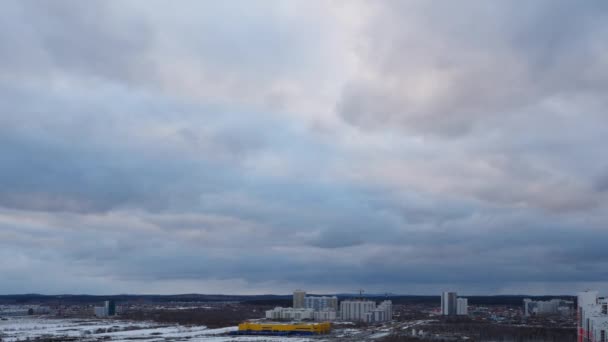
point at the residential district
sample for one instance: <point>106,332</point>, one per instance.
<point>583,318</point>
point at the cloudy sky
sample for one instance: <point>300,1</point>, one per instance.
<point>261,146</point>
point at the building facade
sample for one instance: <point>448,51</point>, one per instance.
<point>110,307</point>
<point>550,307</point>
<point>299,299</point>
<point>282,329</point>
<point>462,306</point>
<point>356,310</point>
<point>291,314</point>
<point>366,311</point>
<point>449,303</point>
<point>321,303</point>
<point>382,313</point>
<point>592,317</point>
<point>325,315</point>
<point>100,311</point>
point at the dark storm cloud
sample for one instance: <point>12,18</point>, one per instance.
<point>87,155</point>
<point>395,146</point>
<point>419,259</point>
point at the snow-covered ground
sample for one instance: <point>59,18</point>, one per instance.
<point>21,328</point>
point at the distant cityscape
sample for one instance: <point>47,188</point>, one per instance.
<point>351,317</point>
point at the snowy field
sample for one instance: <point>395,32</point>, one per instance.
<point>22,328</point>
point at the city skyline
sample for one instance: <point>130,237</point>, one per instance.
<point>259,147</point>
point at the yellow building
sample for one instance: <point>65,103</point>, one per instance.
<point>249,328</point>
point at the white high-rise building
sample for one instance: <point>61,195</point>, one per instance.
<point>462,306</point>
<point>592,314</point>
<point>449,303</point>
<point>356,310</point>
<point>366,311</point>
<point>382,313</point>
<point>298,299</point>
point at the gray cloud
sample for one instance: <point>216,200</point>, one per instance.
<point>448,69</point>
<point>92,40</point>
<point>395,146</point>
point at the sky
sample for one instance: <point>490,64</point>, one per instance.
<point>253,147</point>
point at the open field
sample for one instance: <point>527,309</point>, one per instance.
<point>24,328</point>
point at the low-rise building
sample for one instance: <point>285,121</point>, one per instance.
<point>282,329</point>
<point>550,307</point>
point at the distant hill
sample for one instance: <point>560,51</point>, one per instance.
<point>80,298</point>
<point>278,300</point>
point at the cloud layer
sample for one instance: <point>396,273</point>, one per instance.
<point>403,147</point>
